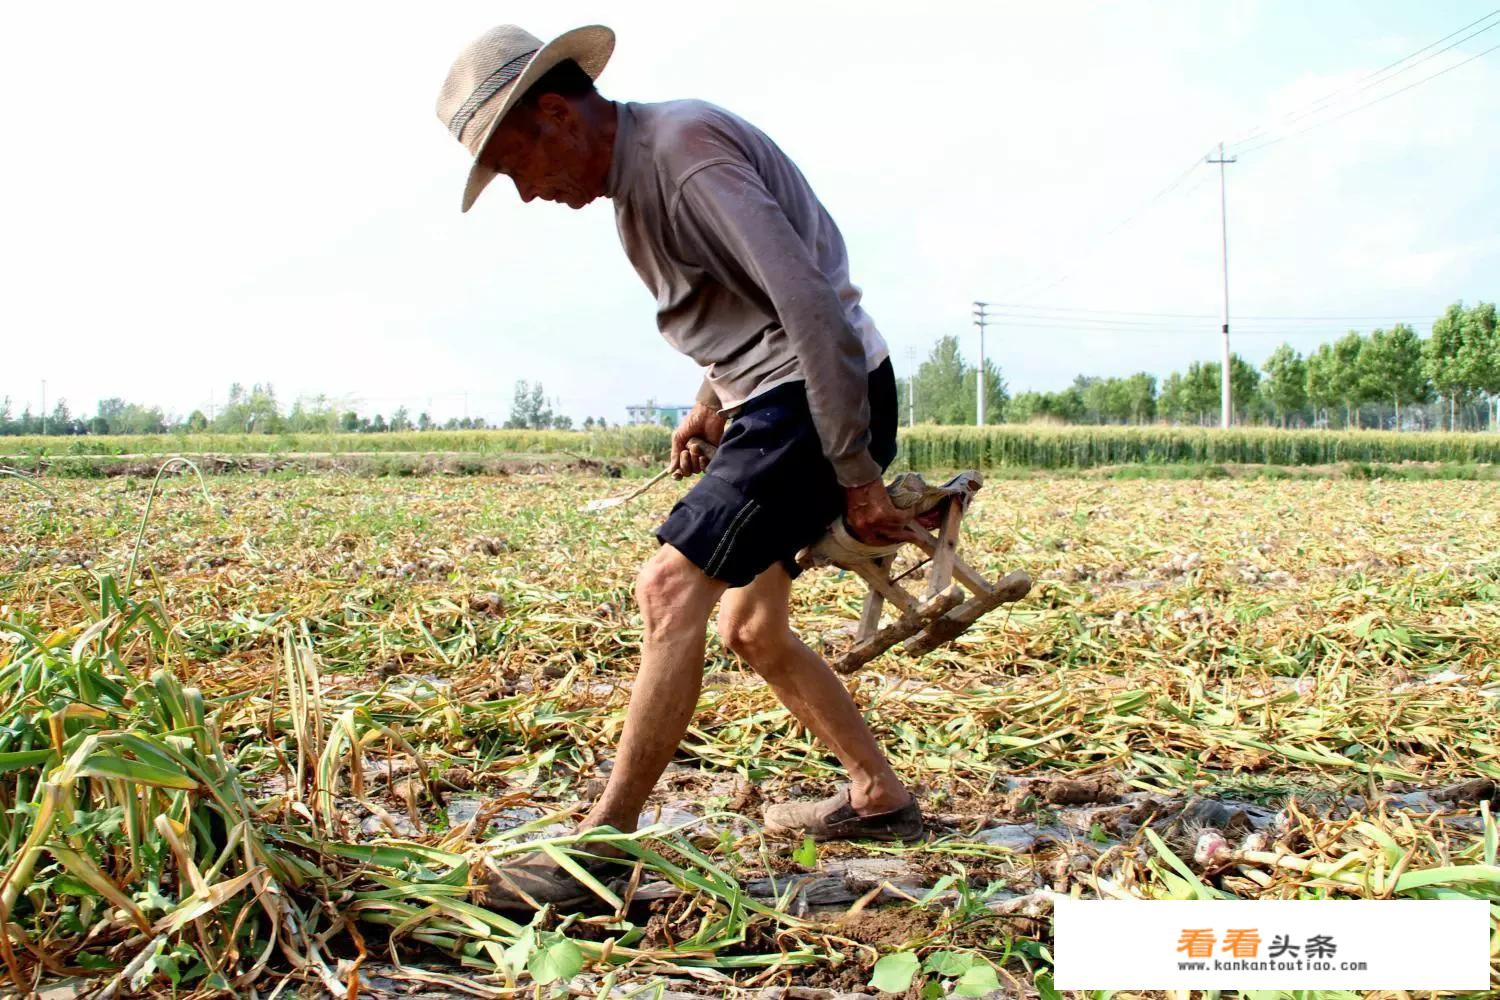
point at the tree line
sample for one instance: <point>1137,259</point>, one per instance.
<point>1389,378</point>
<point>256,410</point>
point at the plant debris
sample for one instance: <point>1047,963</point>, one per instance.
<point>278,756</point>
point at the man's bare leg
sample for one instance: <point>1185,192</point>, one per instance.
<point>675,598</point>
<point>753,622</point>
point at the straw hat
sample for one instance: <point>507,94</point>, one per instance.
<point>492,73</point>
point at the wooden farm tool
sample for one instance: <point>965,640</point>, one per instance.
<point>696,444</point>
<point>605,503</point>
<point>956,595</point>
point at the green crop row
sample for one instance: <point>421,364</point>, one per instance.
<point>618,442</point>
<point>1043,447</point>
<point>925,447</point>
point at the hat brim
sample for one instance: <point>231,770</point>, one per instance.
<point>590,47</point>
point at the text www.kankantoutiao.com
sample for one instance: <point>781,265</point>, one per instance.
<point>1314,954</point>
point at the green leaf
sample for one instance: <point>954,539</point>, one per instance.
<point>152,901</point>
<point>940,887</point>
<point>150,967</point>
<point>103,823</point>
<point>582,874</point>
<point>807,854</point>
<point>1361,625</point>
<point>559,960</point>
<point>1491,835</point>
<point>894,972</point>
<point>82,866</point>
<point>18,759</point>
<point>519,953</point>
<point>980,980</point>
<point>67,885</point>
<point>171,962</point>
<point>1045,988</point>
<point>948,963</point>
<point>110,766</point>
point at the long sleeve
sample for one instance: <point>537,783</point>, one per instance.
<point>727,220</point>
<point>707,396</point>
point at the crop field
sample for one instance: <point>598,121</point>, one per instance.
<point>1014,446</point>
<point>257,732</point>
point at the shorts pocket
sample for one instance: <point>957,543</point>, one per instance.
<point>713,527</point>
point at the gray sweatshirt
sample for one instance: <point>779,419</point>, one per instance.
<point>749,271</point>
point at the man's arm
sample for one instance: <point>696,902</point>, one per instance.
<point>726,218</point>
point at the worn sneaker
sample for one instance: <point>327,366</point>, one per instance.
<point>834,818</point>
<point>533,880</point>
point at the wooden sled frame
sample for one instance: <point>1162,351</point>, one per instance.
<point>956,596</point>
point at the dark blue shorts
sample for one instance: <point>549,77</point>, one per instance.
<point>769,491</point>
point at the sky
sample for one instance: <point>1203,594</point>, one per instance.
<point>196,194</point>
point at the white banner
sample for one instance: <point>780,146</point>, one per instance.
<point>1292,944</point>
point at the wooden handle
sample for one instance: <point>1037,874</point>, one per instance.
<point>702,447</point>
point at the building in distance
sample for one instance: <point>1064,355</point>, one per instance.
<point>650,412</point>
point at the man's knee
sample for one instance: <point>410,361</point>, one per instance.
<point>671,593</point>
<point>760,640</point>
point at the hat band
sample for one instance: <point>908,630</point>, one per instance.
<point>489,88</point>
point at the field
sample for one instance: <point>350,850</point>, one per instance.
<point>256,731</point>
<point>1022,446</point>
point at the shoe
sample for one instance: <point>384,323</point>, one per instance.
<point>531,881</point>
<point>834,818</point>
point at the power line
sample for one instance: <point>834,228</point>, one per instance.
<point>1370,79</point>
<point>1195,331</point>
<point>1145,326</point>
<point>1371,104</point>
<point>980,319</point>
<point>1126,325</point>
<point>1411,66</point>
<point>1377,78</point>
<point>911,387</point>
<point>1171,331</point>
<point>1133,327</point>
<point>1036,289</point>
<point>1038,308</point>
<point>1365,83</point>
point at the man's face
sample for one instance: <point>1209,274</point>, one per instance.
<point>546,151</point>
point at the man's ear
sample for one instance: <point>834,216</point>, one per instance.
<point>554,108</point>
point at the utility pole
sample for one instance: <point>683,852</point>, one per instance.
<point>1226,408</point>
<point>911,388</point>
<point>979,320</point>
<point>44,407</point>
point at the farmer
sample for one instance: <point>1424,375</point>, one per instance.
<point>751,280</point>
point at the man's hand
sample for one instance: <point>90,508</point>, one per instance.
<point>871,516</point>
<point>703,422</point>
